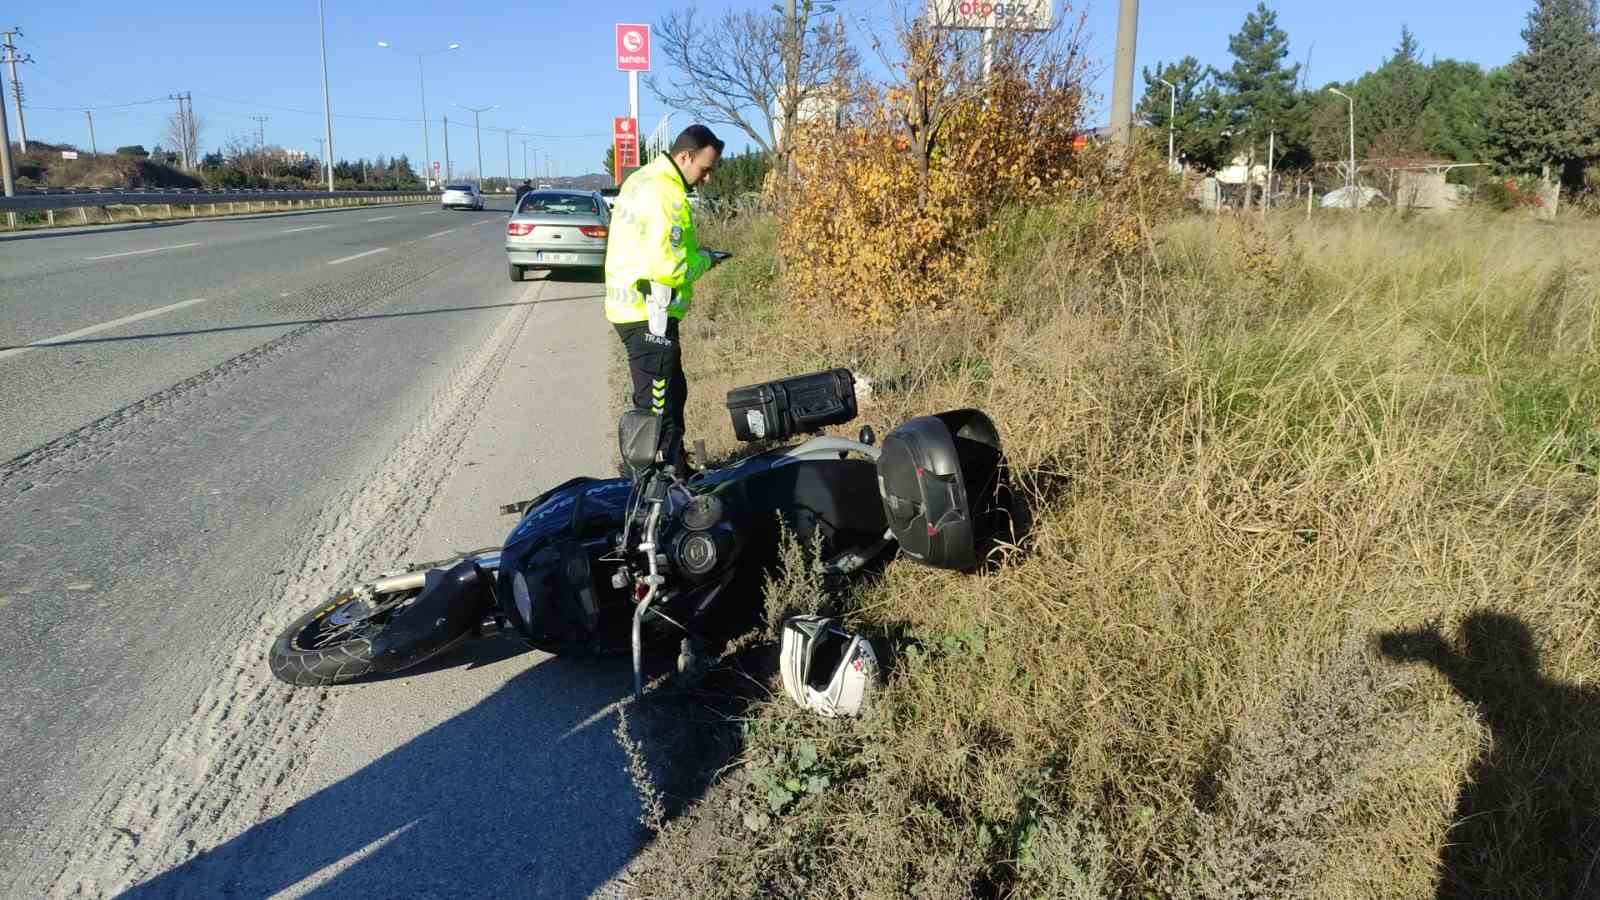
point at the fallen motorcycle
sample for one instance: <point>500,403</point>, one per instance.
<point>606,564</point>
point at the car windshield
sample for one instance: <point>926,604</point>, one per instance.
<point>458,187</point>
<point>559,205</point>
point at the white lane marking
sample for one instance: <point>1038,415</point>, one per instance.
<point>441,233</point>
<point>137,252</point>
<point>431,212</point>
<point>383,218</point>
<point>92,329</point>
<point>345,259</point>
<point>302,228</point>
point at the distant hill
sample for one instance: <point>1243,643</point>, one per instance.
<point>593,181</point>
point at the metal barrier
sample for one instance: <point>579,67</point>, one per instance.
<point>50,200</point>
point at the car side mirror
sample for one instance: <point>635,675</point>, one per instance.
<point>639,439</point>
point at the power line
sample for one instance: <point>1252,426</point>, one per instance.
<point>99,108</point>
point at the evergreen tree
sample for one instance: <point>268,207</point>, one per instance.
<point>1544,116</point>
<point>1390,102</point>
<point>609,161</point>
<point>1197,121</point>
<point>1455,125</point>
<point>1259,91</point>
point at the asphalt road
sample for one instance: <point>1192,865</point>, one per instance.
<point>209,425</point>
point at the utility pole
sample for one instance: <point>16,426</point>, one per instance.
<point>1122,83</point>
<point>478,134</point>
<point>447,170</point>
<point>261,131</point>
<point>93,150</point>
<point>11,59</point>
<point>5,155</point>
<point>183,128</point>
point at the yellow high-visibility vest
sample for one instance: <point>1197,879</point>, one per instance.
<point>652,239</point>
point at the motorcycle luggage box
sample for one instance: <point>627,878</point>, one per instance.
<point>781,409</point>
<point>938,477</point>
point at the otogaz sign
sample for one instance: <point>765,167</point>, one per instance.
<point>633,48</point>
<point>1014,15</point>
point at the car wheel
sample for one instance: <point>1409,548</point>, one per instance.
<point>516,273</point>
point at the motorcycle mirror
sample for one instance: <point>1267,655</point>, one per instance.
<point>639,439</point>
<point>867,436</point>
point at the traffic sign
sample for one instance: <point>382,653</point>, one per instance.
<point>633,48</point>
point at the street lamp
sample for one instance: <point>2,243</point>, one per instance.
<point>1350,177</point>
<point>1172,112</point>
<point>427,144</point>
<point>478,134</point>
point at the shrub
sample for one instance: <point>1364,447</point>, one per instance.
<point>883,217</point>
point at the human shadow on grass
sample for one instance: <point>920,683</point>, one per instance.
<point>523,795</point>
<point>1527,818</point>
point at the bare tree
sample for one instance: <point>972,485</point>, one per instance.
<point>935,71</point>
<point>736,70</point>
<point>183,132</point>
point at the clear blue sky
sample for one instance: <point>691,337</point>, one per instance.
<point>549,66</point>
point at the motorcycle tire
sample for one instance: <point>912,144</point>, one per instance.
<point>314,651</point>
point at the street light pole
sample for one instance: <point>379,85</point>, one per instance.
<point>422,90</point>
<point>1350,177</point>
<point>1172,112</point>
<point>478,135</point>
<point>327,112</point>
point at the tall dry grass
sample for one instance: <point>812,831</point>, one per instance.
<point>1309,605</point>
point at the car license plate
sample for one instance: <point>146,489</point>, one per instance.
<point>547,256</point>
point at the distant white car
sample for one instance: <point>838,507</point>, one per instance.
<point>461,196</point>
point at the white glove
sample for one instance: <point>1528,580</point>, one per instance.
<point>656,306</point>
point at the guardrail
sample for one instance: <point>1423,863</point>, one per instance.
<point>50,200</point>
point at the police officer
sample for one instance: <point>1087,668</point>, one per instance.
<point>652,263</point>
<point>523,188</point>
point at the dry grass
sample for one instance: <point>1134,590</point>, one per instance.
<point>1312,578</point>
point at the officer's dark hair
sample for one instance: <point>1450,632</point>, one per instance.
<point>694,139</point>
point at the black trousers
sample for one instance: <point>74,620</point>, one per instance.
<point>656,366</point>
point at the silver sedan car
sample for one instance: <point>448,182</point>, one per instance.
<point>557,229</point>
<point>461,196</point>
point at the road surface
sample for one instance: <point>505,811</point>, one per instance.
<point>208,426</point>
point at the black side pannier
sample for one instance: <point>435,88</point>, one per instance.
<point>938,477</point>
<point>781,409</point>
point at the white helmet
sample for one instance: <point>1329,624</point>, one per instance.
<point>824,668</point>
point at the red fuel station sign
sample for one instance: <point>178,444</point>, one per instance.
<point>633,48</point>
<point>625,145</point>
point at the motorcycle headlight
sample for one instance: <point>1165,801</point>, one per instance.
<point>697,553</point>
<point>523,598</point>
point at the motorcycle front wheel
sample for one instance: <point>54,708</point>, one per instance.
<point>336,643</point>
